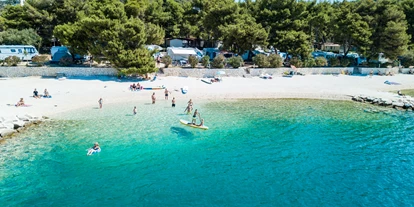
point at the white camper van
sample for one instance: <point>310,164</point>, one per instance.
<point>19,51</point>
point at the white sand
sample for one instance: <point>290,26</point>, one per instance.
<point>71,94</point>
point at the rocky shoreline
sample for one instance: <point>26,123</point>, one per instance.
<point>401,103</point>
<point>13,125</point>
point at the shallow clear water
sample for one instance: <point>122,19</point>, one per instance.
<point>256,153</point>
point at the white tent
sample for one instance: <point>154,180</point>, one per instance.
<point>178,53</point>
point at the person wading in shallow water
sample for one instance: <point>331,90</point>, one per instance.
<point>100,102</point>
<point>153,98</point>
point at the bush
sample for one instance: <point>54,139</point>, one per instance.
<point>40,60</point>
<point>333,62</point>
<point>321,61</point>
<point>167,60</point>
<point>193,61</point>
<point>205,61</point>
<point>218,61</point>
<point>275,61</point>
<point>296,62</point>
<point>344,62</point>
<point>235,61</point>
<point>12,60</point>
<point>261,61</point>
<point>407,59</point>
<point>309,62</point>
<point>66,60</point>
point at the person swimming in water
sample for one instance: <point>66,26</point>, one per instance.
<point>93,149</point>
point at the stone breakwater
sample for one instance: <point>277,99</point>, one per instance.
<point>402,102</point>
<point>54,71</point>
<point>12,125</point>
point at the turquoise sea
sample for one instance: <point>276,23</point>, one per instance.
<point>256,153</point>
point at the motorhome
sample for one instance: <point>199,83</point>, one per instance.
<point>180,53</point>
<point>24,52</point>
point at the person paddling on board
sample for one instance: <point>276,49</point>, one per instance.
<point>195,117</point>
<point>95,148</point>
<point>201,123</point>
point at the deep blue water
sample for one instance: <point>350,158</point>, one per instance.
<point>256,153</point>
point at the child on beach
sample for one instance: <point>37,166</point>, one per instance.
<point>100,103</point>
<point>20,103</point>
<point>173,102</point>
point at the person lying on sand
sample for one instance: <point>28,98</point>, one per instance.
<point>400,94</point>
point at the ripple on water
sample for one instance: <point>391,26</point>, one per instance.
<point>256,152</point>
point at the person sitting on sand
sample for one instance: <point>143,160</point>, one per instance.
<point>201,123</point>
<point>20,103</point>
<point>134,87</point>
<point>46,93</point>
<point>139,87</point>
<point>36,94</point>
<point>93,149</point>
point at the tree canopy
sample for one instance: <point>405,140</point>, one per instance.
<point>118,30</point>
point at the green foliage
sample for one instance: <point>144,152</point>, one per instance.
<point>132,65</point>
<point>104,29</point>
<point>155,34</point>
<point>20,37</point>
<point>309,62</point>
<point>243,34</point>
<point>296,62</point>
<point>351,29</point>
<point>321,61</point>
<point>333,62</point>
<point>235,61</point>
<point>261,61</point>
<point>218,61</point>
<point>193,61</point>
<point>12,60</point>
<point>66,60</point>
<point>205,61</point>
<point>167,60</point>
<point>345,62</point>
<point>407,59</point>
<point>275,61</point>
<point>40,60</point>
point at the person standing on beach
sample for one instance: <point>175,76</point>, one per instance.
<point>173,102</point>
<point>166,94</point>
<point>100,102</point>
<point>135,110</point>
<point>153,98</point>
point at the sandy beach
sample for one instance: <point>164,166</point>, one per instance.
<point>71,94</point>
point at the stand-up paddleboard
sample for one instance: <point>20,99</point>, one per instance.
<point>205,81</point>
<point>188,123</point>
<point>184,90</point>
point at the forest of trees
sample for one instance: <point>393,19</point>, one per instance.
<point>119,29</point>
